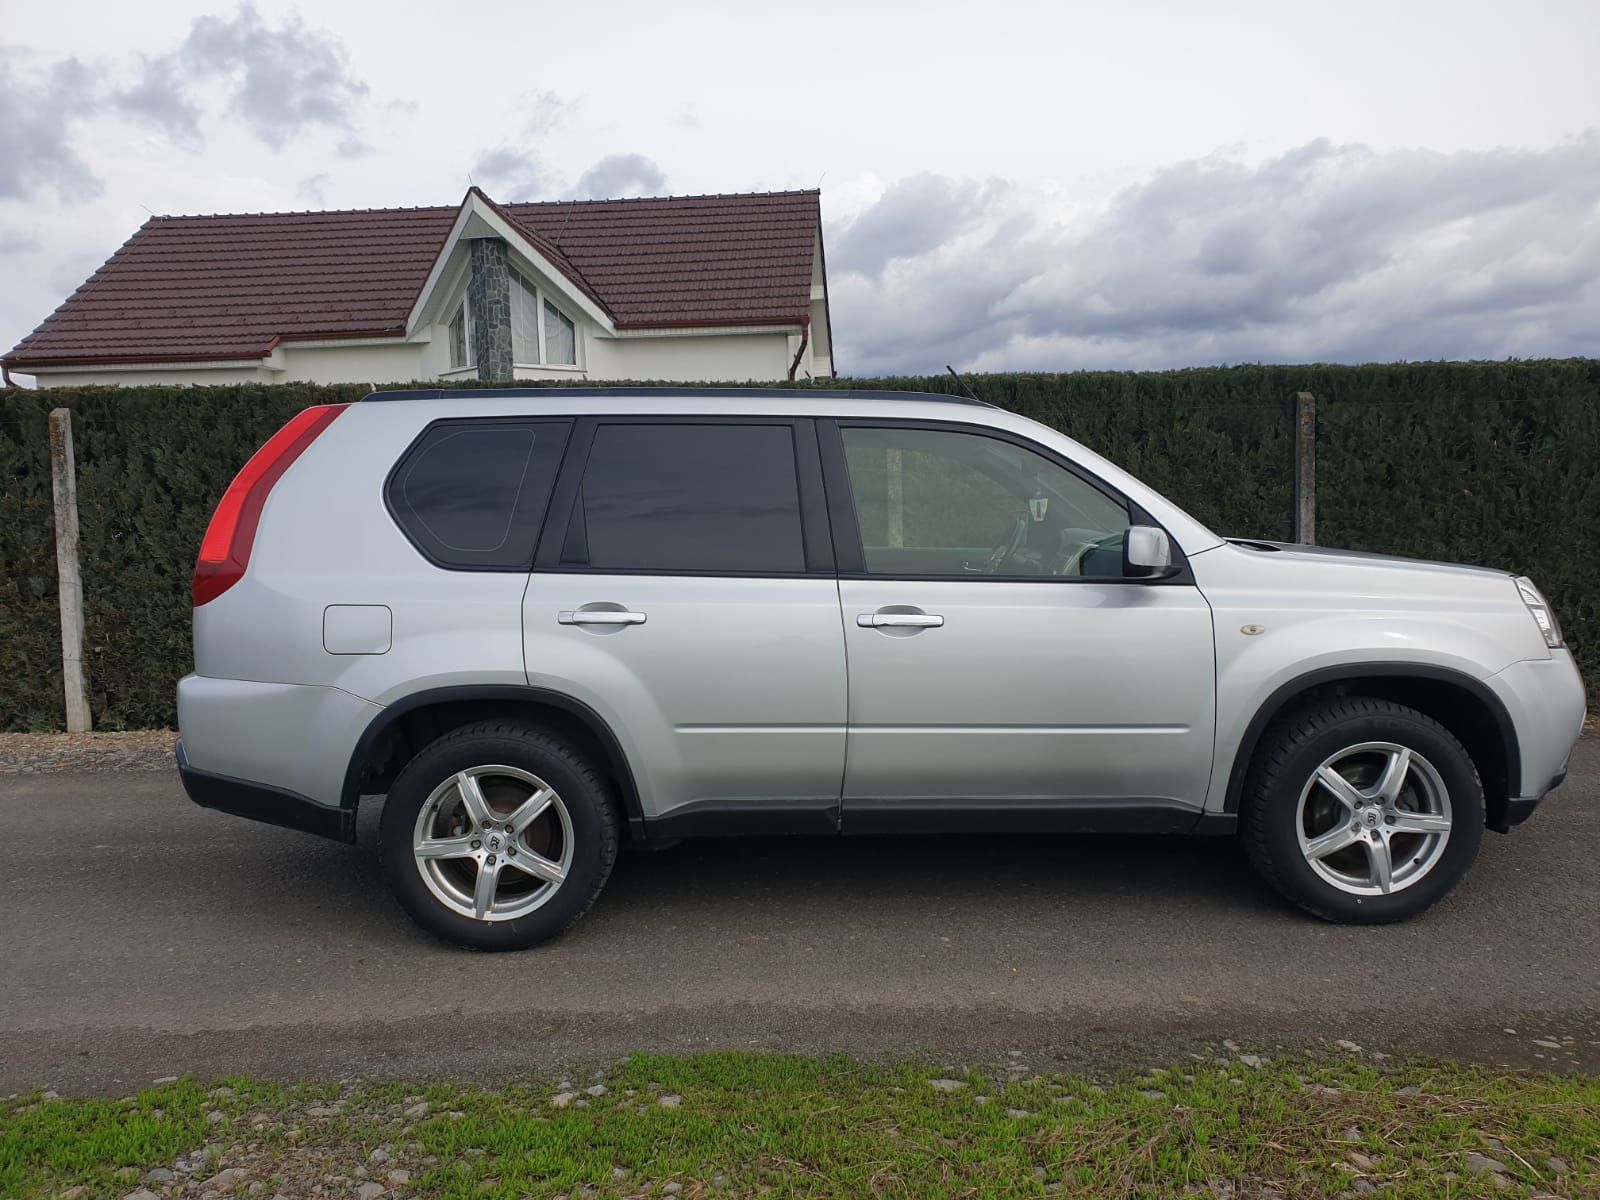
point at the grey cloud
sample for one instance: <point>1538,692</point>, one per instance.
<point>281,81</point>
<point>542,112</point>
<point>314,188</point>
<point>619,175</point>
<point>1329,252</point>
<point>353,147</point>
<point>508,174</point>
<point>38,115</point>
<point>159,98</point>
<point>914,216</point>
<point>18,243</point>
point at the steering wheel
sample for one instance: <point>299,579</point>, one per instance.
<point>1001,554</point>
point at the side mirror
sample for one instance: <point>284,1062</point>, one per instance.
<point>1146,553</point>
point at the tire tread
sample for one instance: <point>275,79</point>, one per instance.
<point>1287,736</point>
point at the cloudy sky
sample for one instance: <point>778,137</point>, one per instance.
<point>1005,185</point>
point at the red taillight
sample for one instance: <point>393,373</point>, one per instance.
<point>225,551</point>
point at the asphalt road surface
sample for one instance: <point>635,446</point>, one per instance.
<point>142,937</point>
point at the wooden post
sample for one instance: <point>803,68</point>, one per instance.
<point>1305,472</point>
<point>63,474</point>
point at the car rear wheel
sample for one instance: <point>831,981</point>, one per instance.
<point>1362,810</point>
<point>498,836</point>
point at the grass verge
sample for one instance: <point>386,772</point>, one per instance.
<point>747,1125</point>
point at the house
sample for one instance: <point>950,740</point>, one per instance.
<point>686,288</point>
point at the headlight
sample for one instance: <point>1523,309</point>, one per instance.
<point>1540,608</point>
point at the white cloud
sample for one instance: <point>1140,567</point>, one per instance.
<point>1330,252</point>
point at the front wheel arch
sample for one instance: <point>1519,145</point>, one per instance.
<point>1465,706</point>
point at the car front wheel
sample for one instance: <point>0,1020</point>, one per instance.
<point>1362,810</point>
<point>497,836</point>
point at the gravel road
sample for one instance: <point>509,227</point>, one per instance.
<point>143,937</point>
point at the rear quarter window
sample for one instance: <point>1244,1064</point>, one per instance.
<point>471,494</point>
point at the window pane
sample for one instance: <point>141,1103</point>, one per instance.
<point>560,337</point>
<point>458,339</point>
<point>935,503</point>
<point>692,498</point>
<point>473,493</point>
<point>524,321</point>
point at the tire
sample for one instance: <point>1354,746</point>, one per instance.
<point>544,875</point>
<point>1409,800</point>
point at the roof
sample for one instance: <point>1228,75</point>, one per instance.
<point>709,393</point>
<point>232,287</point>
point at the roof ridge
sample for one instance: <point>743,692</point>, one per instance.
<point>437,208</point>
<point>305,212</point>
<point>660,199</point>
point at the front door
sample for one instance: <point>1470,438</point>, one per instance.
<point>684,590</point>
<point>1002,672</point>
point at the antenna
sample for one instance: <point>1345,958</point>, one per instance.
<point>961,383</point>
<point>563,229</point>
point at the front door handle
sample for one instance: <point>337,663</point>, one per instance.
<point>599,616</point>
<point>899,620</point>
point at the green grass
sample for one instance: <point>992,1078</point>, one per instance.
<point>748,1125</point>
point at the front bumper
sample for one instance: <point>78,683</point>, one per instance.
<point>260,802</point>
<point>1520,808</point>
<point>1545,701</point>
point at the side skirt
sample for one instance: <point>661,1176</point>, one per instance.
<point>767,818</point>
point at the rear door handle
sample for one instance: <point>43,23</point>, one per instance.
<point>599,616</point>
<point>895,620</point>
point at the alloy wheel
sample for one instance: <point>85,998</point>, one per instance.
<point>493,842</point>
<point>1374,818</point>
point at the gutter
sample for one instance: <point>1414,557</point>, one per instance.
<point>5,375</point>
<point>805,340</point>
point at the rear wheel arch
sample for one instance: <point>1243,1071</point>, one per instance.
<point>403,728</point>
<point>1463,705</point>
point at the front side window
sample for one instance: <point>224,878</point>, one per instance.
<point>560,337</point>
<point>473,493</point>
<point>461,339</point>
<point>689,498</point>
<point>524,321</point>
<point>937,503</point>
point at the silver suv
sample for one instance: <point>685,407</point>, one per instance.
<point>546,623</point>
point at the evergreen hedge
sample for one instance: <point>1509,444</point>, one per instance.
<point>1471,462</point>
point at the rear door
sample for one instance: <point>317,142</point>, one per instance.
<point>1002,672</point>
<point>684,589</point>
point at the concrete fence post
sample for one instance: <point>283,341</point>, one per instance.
<point>1305,471</point>
<point>64,478</point>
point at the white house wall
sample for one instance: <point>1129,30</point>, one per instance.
<point>723,358</point>
<point>398,363</point>
<point>71,377</point>
<point>719,358</point>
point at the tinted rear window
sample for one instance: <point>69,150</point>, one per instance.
<point>472,493</point>
<point>689,498</point>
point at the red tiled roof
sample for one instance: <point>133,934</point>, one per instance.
<point>689,260</point>
<point>197,288</point>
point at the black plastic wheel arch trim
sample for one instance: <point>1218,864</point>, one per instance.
<point>1279,699</point>
<point>262,802</point>
<point>616,760</point>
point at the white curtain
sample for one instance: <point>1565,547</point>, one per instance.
<point>524,321</point>
<point>560,337</point>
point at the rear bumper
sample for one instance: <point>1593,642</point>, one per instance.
<point>260,802</point>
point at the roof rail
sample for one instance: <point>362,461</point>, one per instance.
<point>738,393</point>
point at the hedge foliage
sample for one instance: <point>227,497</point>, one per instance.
<point>1470,462</point>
